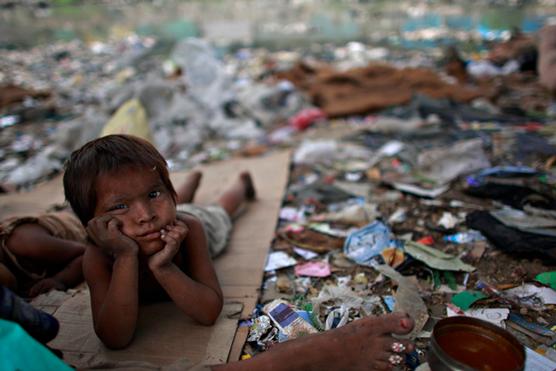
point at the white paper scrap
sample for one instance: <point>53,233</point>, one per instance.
<point>305,254</point>
<point>546,294</point>
<point>278,260</point>
<point>419,191</point>
<point>495,316</point>
<point>291,214</point>
<point>537,362</point>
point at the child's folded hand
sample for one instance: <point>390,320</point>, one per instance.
<point>173,235</point>
<point>46,285</point>
<point>105,233</point>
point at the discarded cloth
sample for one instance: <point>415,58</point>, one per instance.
<point>511,240</point>
<point>512,195</point>
<point>372,88</point>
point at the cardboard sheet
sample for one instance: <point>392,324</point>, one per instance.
<point>164,335</point>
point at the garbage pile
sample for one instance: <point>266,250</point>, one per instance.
<point>437,207</point>
<point>376,222</point>
<point>411,189</point>
<point>193,106</point>
<point>197,107</point>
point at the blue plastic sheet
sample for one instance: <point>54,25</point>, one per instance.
<point>364,245</point>
<point>30,355</point>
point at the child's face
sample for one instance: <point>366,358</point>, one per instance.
<point>140,200</point>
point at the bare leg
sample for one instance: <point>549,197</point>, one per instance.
<point>242,190</point>
<point>186,192</point>
<point>365,344</point>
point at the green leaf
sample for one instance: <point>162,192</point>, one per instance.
<point>450,280</point>
<point>465,299</point>
<point>436,279</point>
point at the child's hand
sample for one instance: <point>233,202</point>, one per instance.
<point>173,235</point>
<point>45,285</point>
<point>105,233</point>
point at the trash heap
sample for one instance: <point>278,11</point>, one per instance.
<point>375,223</point>
<point>193,106</point>
<point>436,206</point>
<point>411,189</point>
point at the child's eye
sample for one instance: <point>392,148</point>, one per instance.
<point>154,194</point>
<point>118,207</point>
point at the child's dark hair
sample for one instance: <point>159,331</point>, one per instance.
<point>104,155</point>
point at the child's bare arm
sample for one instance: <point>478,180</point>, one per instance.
<point>69,276</point>
<point>113,283</point>
<point>197,294</point>
<point>34,242</point>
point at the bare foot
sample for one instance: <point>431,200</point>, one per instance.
<point>7,188</point>
<point>250,192</point>
<point>365,344</point>
<point>368,344</point>
<point>186,192</point>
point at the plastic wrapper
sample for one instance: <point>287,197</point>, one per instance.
<point>287,320</point>
<point>261,325</point>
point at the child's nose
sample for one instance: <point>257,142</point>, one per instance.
<point>145,213</point>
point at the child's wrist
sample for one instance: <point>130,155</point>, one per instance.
<point>123,255</point>
<point>161,270</point>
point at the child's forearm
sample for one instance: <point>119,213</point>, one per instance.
<point>71,249</point>
<point>117,317</point>
<point>200,302</point>
<point>72,274</point>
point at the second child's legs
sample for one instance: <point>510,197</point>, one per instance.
<point>186,192</point>
<point>240,191</point>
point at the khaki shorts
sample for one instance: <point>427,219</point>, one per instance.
<point>216,222</point>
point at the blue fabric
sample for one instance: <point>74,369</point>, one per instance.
<point>19,351</point>
<point>40,325</point>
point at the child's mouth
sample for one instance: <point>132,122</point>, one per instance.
<point>149,236</point>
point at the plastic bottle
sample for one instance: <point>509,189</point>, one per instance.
<point>465,237</point>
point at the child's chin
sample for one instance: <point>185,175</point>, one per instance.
<point>152,248</point>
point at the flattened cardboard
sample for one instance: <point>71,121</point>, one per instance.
<point>34,202</point>
<point>164,335</point>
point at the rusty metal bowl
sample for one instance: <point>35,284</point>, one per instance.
<point>467,344</point>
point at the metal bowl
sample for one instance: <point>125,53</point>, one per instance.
<point>466,344</point>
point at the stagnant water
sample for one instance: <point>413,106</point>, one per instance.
<point>274,23</point>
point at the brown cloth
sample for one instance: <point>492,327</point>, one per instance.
<point>369,89</point>
<point>547,58</point>
<point>11,94</point>
<point>62,224</point>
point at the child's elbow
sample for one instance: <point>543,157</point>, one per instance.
<point>112,342</point>
<point>210,316</point>
<point>208,321</point>
<point>116,344</point>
